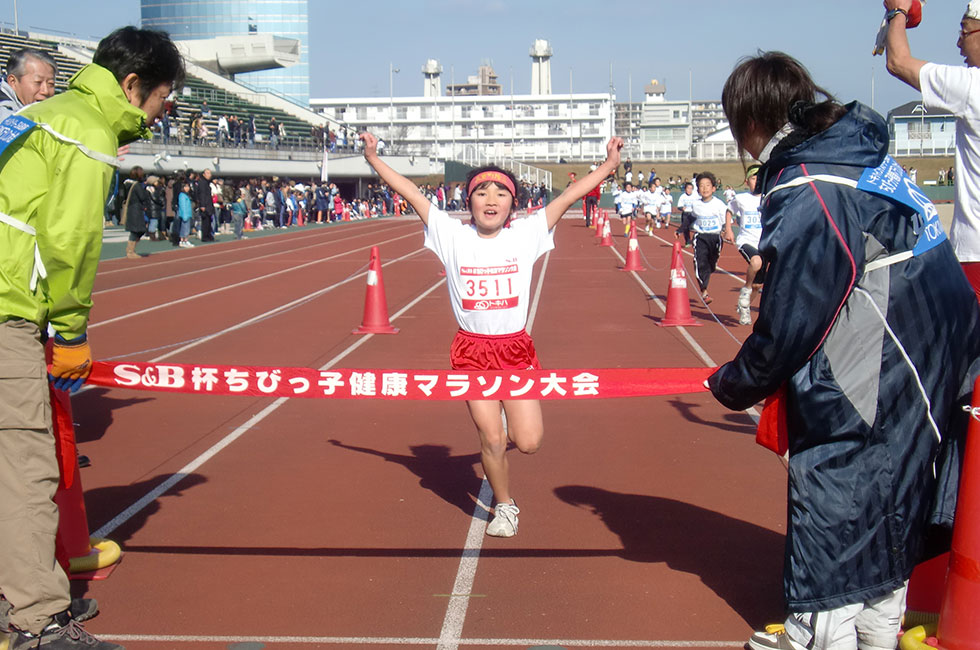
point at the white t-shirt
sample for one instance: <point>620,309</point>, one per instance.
<point>650,199</point>
<point>710,215</point>
<point>685,202</point>
<point>745,209</point>
<point>957,90</point>
<point>489,279</point>
<point>628,201</point>
<point>665,201</point>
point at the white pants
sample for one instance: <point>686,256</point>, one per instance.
<point>873,625</point>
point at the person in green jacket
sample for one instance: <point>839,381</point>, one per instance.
<point>57,159</point>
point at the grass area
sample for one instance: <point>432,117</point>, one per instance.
<point>728,173</point>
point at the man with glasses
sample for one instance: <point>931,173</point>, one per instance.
<point>957,90</point>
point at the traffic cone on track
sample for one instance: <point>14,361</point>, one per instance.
<point>606,233</point>
<point>958,628</point>
<point>599,220</point>
<point>678,310</point>
<point>375,306</point>
<point>633,254</point>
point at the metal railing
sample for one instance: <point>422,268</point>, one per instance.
<point>474,157</point>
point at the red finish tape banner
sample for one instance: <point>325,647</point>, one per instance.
<point>399,384</point>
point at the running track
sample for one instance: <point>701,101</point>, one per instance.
<point>254,523</point>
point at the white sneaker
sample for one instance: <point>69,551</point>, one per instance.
<point>773,641</point>
<point>744,316</point>
<point>744,297</point>
<point>744,300</point>
<point>505,520</point>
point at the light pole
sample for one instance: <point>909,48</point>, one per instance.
<point>391,103</point>
<point>921,110</point>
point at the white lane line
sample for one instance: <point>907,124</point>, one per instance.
<point>186,470</point>
<point>452,623</point>
<point>174,276</point>
<point>227,287</point>
<point>691,254</point>
<point>414,641</point>
<point>705,357</point>
<point>217,250</point>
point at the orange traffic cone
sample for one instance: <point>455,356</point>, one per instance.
<point>958,628</point>
<point>678,302</point>
<point>82,557</point>
<point>633,253</point>
<point>599,220</point>
<point>606,233</point>
<point>375,306</point>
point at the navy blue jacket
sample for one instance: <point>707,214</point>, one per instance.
<point>877,364</point>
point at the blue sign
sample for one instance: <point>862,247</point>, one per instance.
<point>13,127</point>
<point>889,179</point>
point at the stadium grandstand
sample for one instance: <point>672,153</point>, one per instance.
<point>299,153</point>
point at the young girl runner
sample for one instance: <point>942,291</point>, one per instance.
<point>488,266</point>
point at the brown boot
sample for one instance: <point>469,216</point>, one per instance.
<point>131,250</point>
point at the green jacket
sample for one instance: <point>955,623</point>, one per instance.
<point>60,191</point>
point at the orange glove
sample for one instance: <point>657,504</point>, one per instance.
<point>71,362</point>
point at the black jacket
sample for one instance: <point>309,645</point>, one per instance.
<point>138,205</point>
<point>877,365</point>
<point>202,195</point>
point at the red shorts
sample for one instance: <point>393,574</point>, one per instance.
<point>493,352</point>
<point>972,270</point>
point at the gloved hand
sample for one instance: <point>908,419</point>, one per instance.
<point>71,362</point>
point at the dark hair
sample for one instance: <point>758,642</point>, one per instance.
<point>709,176</point>
<point>147,53</point>
<point>18,59</point>
<point>768,90</point>
<point>517,200</point>
<point>136,173</point>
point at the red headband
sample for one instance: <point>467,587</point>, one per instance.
<point>496,177</point>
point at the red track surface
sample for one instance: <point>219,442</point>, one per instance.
<point>646,522</point>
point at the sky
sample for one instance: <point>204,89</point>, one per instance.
<point>691,47</point>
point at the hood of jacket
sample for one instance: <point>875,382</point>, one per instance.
<point>859,138</point>
<point>9,95</point>
<point>99,87</point>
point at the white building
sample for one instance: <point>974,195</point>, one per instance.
<point>521,127</point>
<point>917,131</point>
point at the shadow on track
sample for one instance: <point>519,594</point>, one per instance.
<point>739,422</point>
<point>738,560</point>
<point>451,478</point>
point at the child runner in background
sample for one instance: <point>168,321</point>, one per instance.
<point>729,193</point>
<point>666,205</point>
<point>628,199</point>
<point>745,209</point>
<point>488,264</point>
<point>709,219</point>
<point>650,199</point>
<point>685,205</point>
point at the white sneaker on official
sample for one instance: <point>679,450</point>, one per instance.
<point>505,520</point>
<point>773,640</point>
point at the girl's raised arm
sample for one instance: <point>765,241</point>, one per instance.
<point>574,192</point>
<point>395,181</point>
